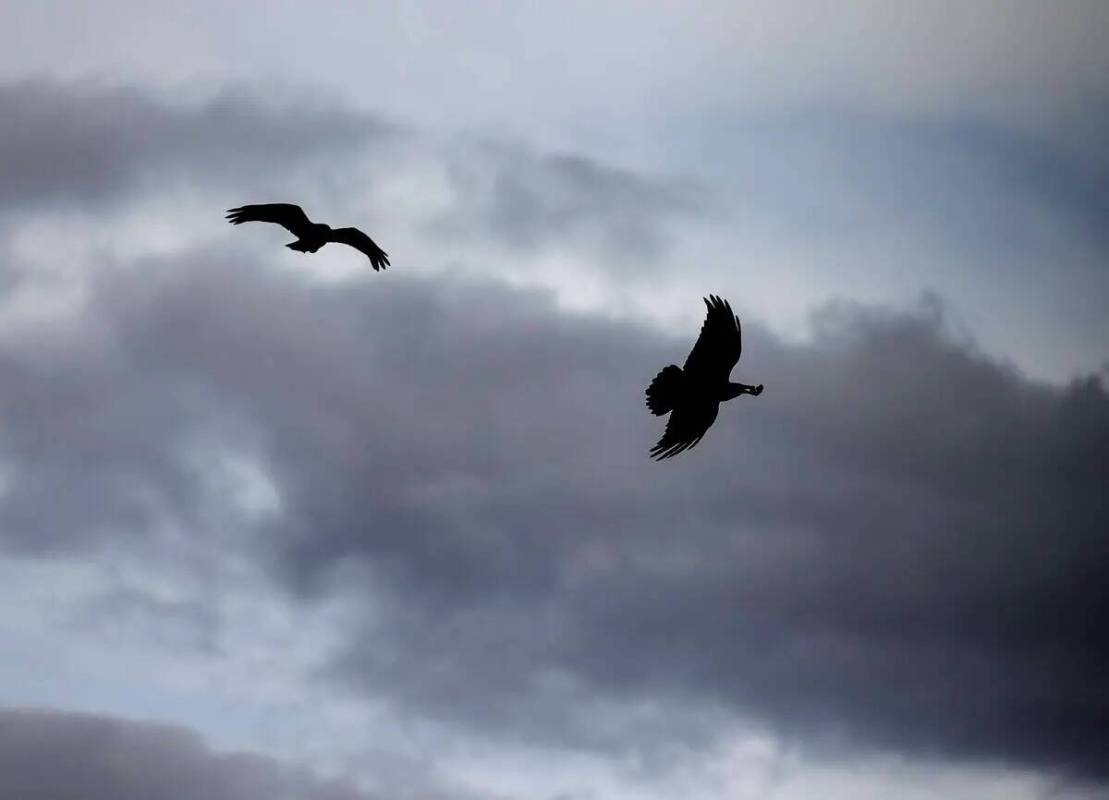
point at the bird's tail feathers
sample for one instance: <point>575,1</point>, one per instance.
<point>662,394</point>
<point>298,245</point>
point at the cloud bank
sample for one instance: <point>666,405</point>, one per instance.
<point>875,549</point>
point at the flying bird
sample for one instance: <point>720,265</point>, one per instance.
<point>311,236</point>
<point>692,395</point>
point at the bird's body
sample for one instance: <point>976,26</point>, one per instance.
<point>311,239</point>
<point>311,236</point>
<point>692,395</point>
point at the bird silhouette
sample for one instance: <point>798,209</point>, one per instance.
<point>692,395</point>
<point>311,236</point>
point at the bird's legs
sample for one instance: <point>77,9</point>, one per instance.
<point>305,245</point>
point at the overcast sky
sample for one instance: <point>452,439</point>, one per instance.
<point>273,525</point>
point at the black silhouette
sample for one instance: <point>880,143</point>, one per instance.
<point>311,236</point>
<point>693,394</point>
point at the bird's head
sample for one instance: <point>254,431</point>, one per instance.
<point>736,389</point>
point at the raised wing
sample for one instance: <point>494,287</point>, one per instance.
<point>719,345</point>
<point>684,429</point>
<point>360,241</point>
<point>286,215</point>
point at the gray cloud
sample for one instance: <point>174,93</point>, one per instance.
<point>525,201</point>
<point>633,68</point>
<point>175,624</point>
<point>48,755</point>
<point>901,542</point>
<point>92,147</point>
<point>82,144</point>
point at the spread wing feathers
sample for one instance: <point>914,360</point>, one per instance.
<point>684,429</point>
<point>720,343</point>
<point>360,241</point>
<point>287,215</point>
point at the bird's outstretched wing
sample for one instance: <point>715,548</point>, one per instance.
<point>360,241</point>
<point>684,429</point>
<point>718,347</point>
<point>287,215</point>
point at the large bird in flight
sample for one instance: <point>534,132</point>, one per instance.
<point>311,236</point>
<point>692,395</point>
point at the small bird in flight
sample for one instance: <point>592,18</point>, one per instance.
<point>311,236</point>
<point>692,395</point>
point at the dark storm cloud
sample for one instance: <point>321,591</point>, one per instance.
<point>46,755</point>
<point>98,448</point>
<point>70,144</point>
<point>527,201</point>
<point>901,541</point>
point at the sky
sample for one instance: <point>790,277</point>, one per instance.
<point>273,525</point>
